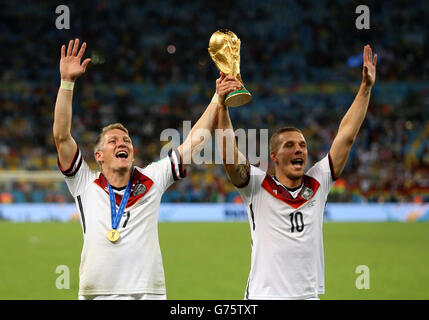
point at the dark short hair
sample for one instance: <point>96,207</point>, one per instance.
<point>274,141</point>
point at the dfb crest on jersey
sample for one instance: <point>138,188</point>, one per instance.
<point>307,193</point>
<point>139,189</point>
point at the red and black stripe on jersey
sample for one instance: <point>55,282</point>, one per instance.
<point>282,194</point>
<point>74,166</point>
<point>138,178</point>
<point>176,165</point>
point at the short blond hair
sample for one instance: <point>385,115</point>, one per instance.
<point>275,141</point>
<point>100,139</point>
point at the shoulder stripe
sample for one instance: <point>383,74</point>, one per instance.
<point>173,166</point>
<point>76,155</point>
<point>82,215</point>
<point>176,165</point>
<point>252,216</point>
<point>74,166</point>
<point>331,166</point>
<point>182,172</point>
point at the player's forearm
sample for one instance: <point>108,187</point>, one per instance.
<point>63,115</point>
<point>236,164</point>
<point>354,117</point>
<point>200,133</point>
<point>207,121</point>
<point>225,137</point>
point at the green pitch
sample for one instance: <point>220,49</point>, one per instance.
<point>212,260</point>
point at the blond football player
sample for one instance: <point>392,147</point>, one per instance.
<point>286,210</point>
<point>118,205</point>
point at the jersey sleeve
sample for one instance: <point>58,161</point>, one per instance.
<point>323,172</point>
<point>166,171</point>
<point>256,176</point>
<point>78,175</point>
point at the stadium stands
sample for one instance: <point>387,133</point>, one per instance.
<point>298,61</point>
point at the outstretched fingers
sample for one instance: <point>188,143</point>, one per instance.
<point>70,48</point>
<point>75,47</point>
<point>63,51</point>
<point>366,58</point>
<point>369,66</point>
<point>82,50</point>
<point>85,63</point>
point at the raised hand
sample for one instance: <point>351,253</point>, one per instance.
<point>369,67</point>
<point>225,85</point>
<point>70,66</point>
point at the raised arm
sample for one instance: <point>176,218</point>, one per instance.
<point>70,70</point>
<point>195,142</point>
<point>353,119</point>
<point>236,165</point>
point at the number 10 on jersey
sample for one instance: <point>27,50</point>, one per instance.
<point>296,222</point>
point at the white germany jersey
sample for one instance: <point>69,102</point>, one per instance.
<point>133,264</point>
<point>287,241</point>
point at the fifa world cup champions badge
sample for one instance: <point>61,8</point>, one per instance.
<point>224,49</point>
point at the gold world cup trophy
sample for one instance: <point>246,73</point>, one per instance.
<point>224,49</point>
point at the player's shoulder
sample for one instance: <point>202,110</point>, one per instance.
<point>323,172</point>
<point>154,170</point>
<point>320,167</point>
<point>257,171</point>
<point>154,166</point>
<point>256,178</point>
<point>148,169</point>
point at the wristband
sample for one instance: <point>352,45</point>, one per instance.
<point>67,85</point>
<point>215,98</point>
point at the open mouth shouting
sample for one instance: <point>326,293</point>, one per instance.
<point>298,163</point>
<point>122,154</point>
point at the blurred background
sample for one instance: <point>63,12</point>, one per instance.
<point>150,70</point>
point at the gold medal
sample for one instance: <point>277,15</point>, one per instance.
<point>113,235</point>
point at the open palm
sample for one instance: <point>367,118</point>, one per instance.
<point>369,66</point>
<point>70,66</point>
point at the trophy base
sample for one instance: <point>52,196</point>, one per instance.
<point>238,97</point>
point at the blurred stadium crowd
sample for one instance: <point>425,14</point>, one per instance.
<point>150,70</point>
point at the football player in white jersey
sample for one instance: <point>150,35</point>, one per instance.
<point>118,206</point>
<point>286,210</point>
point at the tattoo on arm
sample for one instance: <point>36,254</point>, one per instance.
<point>366,92</point>
<point>243,171</point>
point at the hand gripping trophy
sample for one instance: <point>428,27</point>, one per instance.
<point>224,49</point>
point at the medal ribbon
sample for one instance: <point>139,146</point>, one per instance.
<point>116,216</point>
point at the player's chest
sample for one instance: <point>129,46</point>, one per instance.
<point>279,215</point>
<point>97,206</point>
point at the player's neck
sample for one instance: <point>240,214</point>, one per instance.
<point>117,178</point>
<point>287,181</point>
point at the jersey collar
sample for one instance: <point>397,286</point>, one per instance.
<point>309,189</point>
<point>140,185</point>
